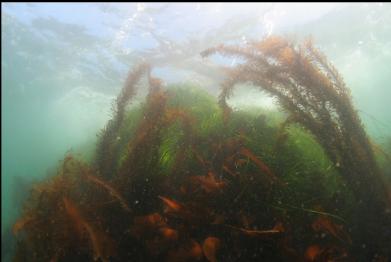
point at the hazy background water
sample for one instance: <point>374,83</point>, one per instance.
<point>63,63</point>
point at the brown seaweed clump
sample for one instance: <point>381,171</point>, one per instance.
<point>107,152</point>
<point>314,94</point>
<point>186,186</point>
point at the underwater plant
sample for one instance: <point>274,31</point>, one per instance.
<point>180,178</point>
<point>106,149</point>
<point>311,90</point>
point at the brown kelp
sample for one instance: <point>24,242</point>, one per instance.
<point>191,181</point>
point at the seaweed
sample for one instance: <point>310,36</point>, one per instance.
<point>110,189</point>
<point>192,180</point>
<point>210,247</point>
<point>102,246</point>
<point>106,148</point>
<point>312,91</point>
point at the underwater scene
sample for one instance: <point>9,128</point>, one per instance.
<point>196,132</point>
